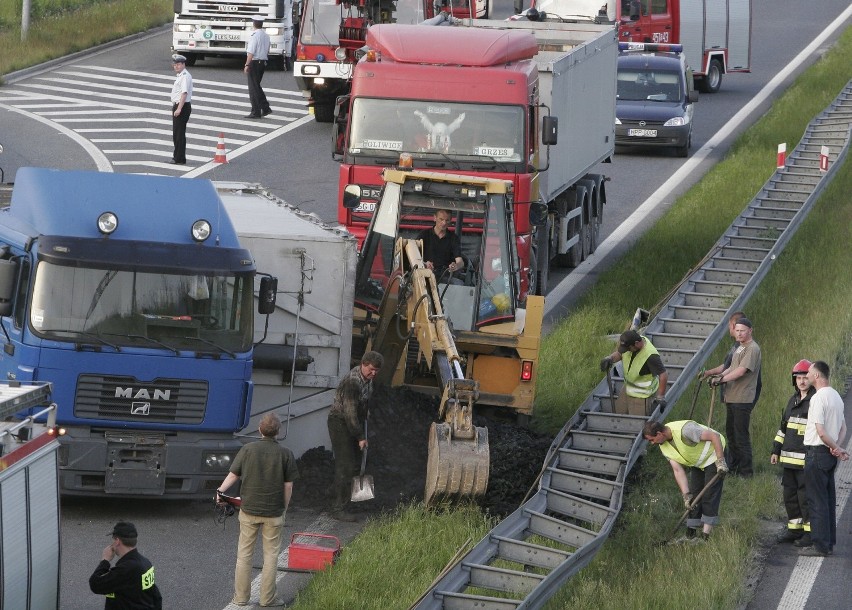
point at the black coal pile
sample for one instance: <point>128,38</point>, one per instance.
<point>398,433</point>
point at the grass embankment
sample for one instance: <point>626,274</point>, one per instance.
<point>60,27</point>
<point>800,311</point>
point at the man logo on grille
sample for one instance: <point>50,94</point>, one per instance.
<point>140,408</point>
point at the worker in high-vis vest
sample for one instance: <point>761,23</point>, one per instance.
<point>696,454</point>
<point>645,375</point>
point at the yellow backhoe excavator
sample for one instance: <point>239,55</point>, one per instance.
<point>472,338</point>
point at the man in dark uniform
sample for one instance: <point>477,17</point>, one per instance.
<point>441,248</point>
<point>346,428</point>
<point>130,582</point>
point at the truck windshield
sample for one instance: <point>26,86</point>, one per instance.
<point>322,23</point>
<point>383,127</point>
<point>131,308</point>
<point>650,85</point>
<point>324,17</point>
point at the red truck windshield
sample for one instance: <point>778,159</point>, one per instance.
<point>386,127</point>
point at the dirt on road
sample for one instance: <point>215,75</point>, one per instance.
<point>398,434</point>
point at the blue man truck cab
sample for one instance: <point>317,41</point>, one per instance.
<point>132,295</point>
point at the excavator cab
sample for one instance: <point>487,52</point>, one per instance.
<point>413,317</point>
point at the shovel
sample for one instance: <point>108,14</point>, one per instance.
<point>362,485</point>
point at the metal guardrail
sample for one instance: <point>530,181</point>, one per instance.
<point>523,561</point>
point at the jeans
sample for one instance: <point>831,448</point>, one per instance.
<point>270,528</point>
<point>739,437</point>
<point>708,510</point>
<point>819,480</point>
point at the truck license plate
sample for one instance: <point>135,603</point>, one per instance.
<point>228,36</point>
<point>642,133</point>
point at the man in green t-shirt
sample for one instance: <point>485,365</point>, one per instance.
<point>266,471</point>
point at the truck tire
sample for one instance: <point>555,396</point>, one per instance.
<point>712,81</point>
<point>594,231</point>
<point>323,112</point>
<point>278,62</point>
<point>540,267</point>
<point>578,251</point>
<point>191,58</point>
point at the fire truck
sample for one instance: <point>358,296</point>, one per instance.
<point>332,31</point>
<point>222,29</point>
<point>487,99</point>
<point>715,34</point>
<point>29,496</point>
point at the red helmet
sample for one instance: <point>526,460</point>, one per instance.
<point>800,368</point>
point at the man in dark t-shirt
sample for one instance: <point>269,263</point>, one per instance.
<point>441,248</point>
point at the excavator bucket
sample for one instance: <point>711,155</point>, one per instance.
<point>456,468</point>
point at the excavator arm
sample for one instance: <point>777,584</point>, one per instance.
<point>458,462</point>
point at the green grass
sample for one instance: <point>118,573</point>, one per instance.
<point>800,310</point>
<point>386,566</point>
<point>60,27</point>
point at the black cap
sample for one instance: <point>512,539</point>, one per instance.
<point>744,321</point>
<point>628,338</point>
<point>124,529</point>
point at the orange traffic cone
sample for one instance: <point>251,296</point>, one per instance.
<point>220,157</point>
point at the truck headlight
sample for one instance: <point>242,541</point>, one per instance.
<point>274,31</point>
<point>340,54</point>
<point>184,27</point>
<point>216,462</point>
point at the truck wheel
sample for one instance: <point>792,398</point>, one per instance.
<point>191,58</point>
<point>594,231</point>
<point>579,250</point>
<point>540,263</point>
<point>712,81</point>
<point>277,62</point>
<point>323,113</point>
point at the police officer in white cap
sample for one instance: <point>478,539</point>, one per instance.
<point>181,107</point>
<point>257,54</point>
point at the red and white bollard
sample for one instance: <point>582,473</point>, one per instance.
<point>823,159</point>
<point>782,155</point>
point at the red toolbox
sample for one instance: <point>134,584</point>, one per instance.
<point>312,551</point>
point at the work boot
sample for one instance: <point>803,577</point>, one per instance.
<point>788,535</point>
<point>804,541</point>
<point>690,533</point>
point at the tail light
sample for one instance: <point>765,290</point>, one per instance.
<point>526,370</point>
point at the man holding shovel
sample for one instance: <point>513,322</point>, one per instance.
<point>645,376</point>
<point>697,455</point>
<point>347,429</point>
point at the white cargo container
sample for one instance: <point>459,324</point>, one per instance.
<point>315,266</point>
<point>577,82</point>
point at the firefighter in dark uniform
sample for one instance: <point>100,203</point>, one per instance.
<point>788,449</point>
<point>129,584</point>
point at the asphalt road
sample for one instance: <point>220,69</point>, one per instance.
<point>73,114</point>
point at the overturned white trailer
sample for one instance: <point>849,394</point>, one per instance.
<point>308,338</point>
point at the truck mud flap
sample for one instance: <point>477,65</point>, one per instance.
<point>135,464</point>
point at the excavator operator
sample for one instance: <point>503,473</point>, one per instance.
<point>442,249</point>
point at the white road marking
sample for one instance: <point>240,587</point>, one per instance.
<point>805,572</point>
<point>129,109</point>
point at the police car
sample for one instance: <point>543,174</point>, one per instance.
<point>654,97</point>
